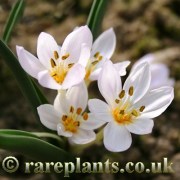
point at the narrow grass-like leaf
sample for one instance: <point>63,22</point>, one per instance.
<point>96,16</point>
<point>29,145</point>
<point>15,14</point>
<point>24,81</point>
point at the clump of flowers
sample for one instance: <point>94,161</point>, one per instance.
<point>70,69</point>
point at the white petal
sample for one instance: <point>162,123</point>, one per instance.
<point>60,102</point>
<point>141,126</point>
<point>77,96</point>
<point>45,49</point>
<point>160,76</point>
<point>49,117</point>
<point>72,43</point>
<point>121,67</point>
<point>29,62</point>
<point>61,131</point>
<point>109,83</point>
<point>100,109</point>
<point>116,138</point>
<point>74,76</point>
<point>98,106</point>
<point>105,44</point>
<point>150,58</point>
<point>95,74</point>
<point>85,55</point>
<point>140,81</point>
<point>156,102</point>
<point>83,137</point>
<point>47,81</point>
<point>91,123</point>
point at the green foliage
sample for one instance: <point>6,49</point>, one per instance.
<point>31,146</point>
<point>96,16</point>
<point>14,17</point>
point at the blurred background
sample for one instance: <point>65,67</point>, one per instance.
<point>141,27</point>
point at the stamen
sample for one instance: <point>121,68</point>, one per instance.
<point>64,117</point>
<point>100,58</point>
<point>141,109</point>
<point>79,110</point>
<point>70,65</point>
<point>134,113</point>
<point>122,94</point>
<point>121,112</point>
<point>85,116</point>
<point>56,55</point>
<point>94,62</point>
<point>117,101</point>
<point>53,74</point>
<point>131,90</point>
<point>96,55</point>
<point>77,123</point>
<point>65,56</point>
<point>71,109</point>
<point>53,64</point>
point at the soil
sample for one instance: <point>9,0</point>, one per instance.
<point>141,27</point>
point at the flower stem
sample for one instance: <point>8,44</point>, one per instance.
<point>49,135</point>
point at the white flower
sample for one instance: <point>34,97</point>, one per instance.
<point>159,72</point>
<point>128,109</point>
<point>67,117</point>
<point>58,67</point>
<point>102,50</point>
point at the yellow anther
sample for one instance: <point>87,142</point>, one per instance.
<point>100,58</point>
<point>53,64</point>
<point>94,62</point>
<point>71,109</point>
<point>121,112</point>
<point>85,116</point>
<point>64,117</point>
<point>56,55</point>
<point>79,110</point>
<point>77,123</point>
<point>131,90</point>
<point>122,94</point>
<point>70,65</point>
<point>96,55</point>
<point>117,101</point>
<point>64,57</point>
<point>141,109</point>
<point>134,113</point>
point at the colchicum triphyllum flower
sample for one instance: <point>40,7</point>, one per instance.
<point>128,109</point>
<point>67,116</point>
<point>102,50</point>
<point>159,72</point>
<point>58,67</point>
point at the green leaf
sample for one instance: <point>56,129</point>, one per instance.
<point>15,14</point>
<point>31,146</point>
<point>96,16</point>
<point>25,83</point>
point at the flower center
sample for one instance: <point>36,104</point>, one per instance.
<point>124,114</point>
<point>59,68</point>
<point>73,120</point>
<point>92,64</point>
